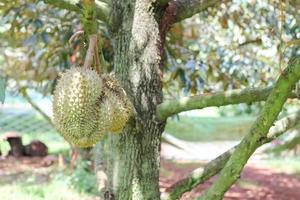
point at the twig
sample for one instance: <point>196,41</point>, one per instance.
<point>24,93</point>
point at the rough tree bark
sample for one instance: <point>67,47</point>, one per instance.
<point>136,152</point>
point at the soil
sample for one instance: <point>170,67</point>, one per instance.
<point>256,183</point>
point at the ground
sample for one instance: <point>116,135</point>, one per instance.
<point>256,183</point>
<point>30,179</point>
<point>33,179</point>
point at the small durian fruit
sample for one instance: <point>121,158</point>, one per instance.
<point>78,114</point>
<point>118,105</point>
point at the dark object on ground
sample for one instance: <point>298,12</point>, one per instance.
<point>36,148</point>
<point>15,143</point>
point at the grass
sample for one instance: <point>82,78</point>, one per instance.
<point>209,128</point>
<point>31,188</point>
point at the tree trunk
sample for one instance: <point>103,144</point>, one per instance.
<point>135,154</point>
<point>16,146</point>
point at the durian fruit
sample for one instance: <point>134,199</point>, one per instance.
<point>78,112</point>
<point>119,107</point>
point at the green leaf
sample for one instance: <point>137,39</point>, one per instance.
<point>2,89</point>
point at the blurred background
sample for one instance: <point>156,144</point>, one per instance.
<point>246,43</point>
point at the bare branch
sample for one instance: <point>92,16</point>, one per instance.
<point>201,175</point>
<point>258,132</point>
<point>249,95</point>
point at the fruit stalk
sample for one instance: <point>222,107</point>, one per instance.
<point>90,52</point>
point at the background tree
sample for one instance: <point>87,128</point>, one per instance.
<point>149,48</point>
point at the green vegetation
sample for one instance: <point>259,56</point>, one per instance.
<point>54,185</point>
<point>209,128</point>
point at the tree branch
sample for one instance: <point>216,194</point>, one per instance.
<point>24,93</point>
<point>177,10</point>
<point>102,8</point>
<point>201,175</point>
<point>287,145</point>
<point>183,9</point>
<point>258,132</point>
<point>65,4</point>
<point>249,95</point>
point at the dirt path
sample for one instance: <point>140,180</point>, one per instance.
<point>255,184</point>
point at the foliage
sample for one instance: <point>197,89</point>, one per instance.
<point>44,185</point>
<point>219,49</point>
<point>82,179</point>
<point>35,44</point>
<point>237,45</point>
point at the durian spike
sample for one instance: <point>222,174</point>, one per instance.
<point>79,116</point>
<point>120,108</point>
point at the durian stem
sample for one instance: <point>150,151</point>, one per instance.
<point>90,52</point>
<point>98,63</point>
<point>75,35</point>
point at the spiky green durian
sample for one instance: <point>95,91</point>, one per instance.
<point>119,107</point>
<point>78,114</point>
